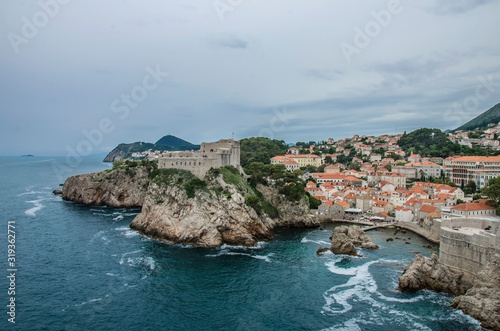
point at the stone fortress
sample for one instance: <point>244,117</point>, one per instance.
<point>211,155</point>
<point>469,243</point>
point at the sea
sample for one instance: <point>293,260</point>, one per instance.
<point>81,268</point>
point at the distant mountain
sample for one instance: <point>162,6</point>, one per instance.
<point>172,143</point>
<point>166,143</point>
<point>492,115</point>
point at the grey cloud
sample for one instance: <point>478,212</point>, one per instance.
<point>229,42</point>
<point>324,74</point>
<point>444,7</point>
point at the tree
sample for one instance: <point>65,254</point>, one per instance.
<point>328,160</point>
<point>471,187</point>
<point>493,190</point>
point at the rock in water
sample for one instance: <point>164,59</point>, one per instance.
<point>429,273</point>
<point>482,301</point>
<point>345,240</point>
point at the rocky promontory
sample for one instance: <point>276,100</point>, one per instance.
<point>482,301</point>
<point>178,207</point>
<point>345,239</point>
<point>123,187</point>
<point>477,296</point>
<point>429,273</point>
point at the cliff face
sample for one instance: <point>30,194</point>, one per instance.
<point>207,220</point>
<point>121,188</point>
<point>479,298</point>
<point>429,273</point>
<point>178,207</point>
<point>482,301</point>
<point>291,214</point>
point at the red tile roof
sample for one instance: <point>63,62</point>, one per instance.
<point>473,206</point>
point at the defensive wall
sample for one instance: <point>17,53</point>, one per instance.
<point>466,245</point>
<point>211,155</point>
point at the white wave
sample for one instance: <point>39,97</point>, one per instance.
<point>101,236</point>
<point>37,207</point>
<point>361,286</point>
<point>263,257</point>
<point>350,325</point>
<point>127,232</point>
<point>118,218</point>
<point>110,274</point>
<point>140,261</point>
<point>260,245</point>
<point>319,242</point>
<point>230,253</point>
<point>87,302</point>
<point>28,193</point>
<point>389,299</point>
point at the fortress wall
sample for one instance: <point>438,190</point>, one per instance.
<point>428,231</point>
<point>198,166</point>
<point>465,222</point>
<point>211,155</point>
<point>468,252</point>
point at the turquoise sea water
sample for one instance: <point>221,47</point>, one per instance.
<point>82,268</point>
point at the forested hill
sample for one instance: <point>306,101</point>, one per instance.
<point>261,149</point>
<point>166,143</point>
<point>434,143</point>
<point>492,115</point>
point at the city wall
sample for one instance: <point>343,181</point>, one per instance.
<point>211,155</point>
<point>466,245</point>
<point>429,231</point>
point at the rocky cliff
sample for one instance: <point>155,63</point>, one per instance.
<point>208,219</point>
<point>345,239</point>
<point>429,273</point>
<point>178,207</point>
<point>477,296</point>
<point>119,188</point>
<point>482,301</point>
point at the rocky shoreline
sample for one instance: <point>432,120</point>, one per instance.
<point>181,209</point>
<point>477,296</point>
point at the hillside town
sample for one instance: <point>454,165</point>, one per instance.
<point>373,178</point>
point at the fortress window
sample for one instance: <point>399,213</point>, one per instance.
<point>199,163</point>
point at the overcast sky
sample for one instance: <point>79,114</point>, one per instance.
<point>92,74</point>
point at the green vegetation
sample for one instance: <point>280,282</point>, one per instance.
<point>180,178</point>
<point>131,167</point>
<point>260,150</point>
<point>192,185</point>
<point>492,115</point>
<point>493,192</point>
<point>435,143</point>
<point>232,176</point>
<point>277,176</point>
